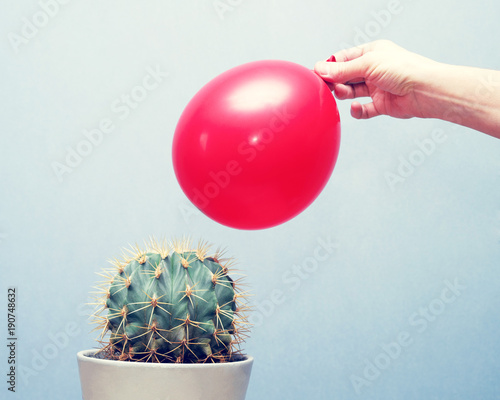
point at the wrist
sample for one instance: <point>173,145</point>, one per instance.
<point>439,92</point>
<point>463,95</point>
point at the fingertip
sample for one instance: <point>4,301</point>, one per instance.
<point>364,111</point>
<point>356,110</point>
<point>322,68</point>
<point>341,91</point>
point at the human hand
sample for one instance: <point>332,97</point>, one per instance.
<point>392,76</point>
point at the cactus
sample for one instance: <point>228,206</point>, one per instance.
<point>171,303</point>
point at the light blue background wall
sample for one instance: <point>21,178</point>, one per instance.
<point>396,249</point>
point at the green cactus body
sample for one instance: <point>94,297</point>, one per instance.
<point>171,305</point>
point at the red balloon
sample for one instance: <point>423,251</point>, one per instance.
<point>257,144</point>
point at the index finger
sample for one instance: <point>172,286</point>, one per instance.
<point>353,52</point>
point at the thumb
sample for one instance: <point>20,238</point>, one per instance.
<point>342,72</point>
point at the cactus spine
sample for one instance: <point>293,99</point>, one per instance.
<point>171,303</point>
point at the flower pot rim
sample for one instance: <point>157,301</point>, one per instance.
<point>86,356</point>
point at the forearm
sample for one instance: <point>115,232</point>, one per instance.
<point>464,95</point>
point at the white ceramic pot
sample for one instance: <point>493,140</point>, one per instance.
<point>122,380</point>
